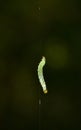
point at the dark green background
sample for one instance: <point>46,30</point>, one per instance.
<point>28,32</point>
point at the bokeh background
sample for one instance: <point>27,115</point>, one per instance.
<point>30,29</point>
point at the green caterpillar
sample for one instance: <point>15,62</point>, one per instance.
<point>40,74</point>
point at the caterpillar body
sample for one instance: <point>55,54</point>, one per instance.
<point>40,74</point>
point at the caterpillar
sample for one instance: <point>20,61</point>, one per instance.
<point>40,74</point>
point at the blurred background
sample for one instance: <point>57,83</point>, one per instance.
<point>28,30</point>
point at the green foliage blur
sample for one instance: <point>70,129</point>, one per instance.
<point>30,29</point>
